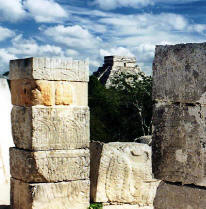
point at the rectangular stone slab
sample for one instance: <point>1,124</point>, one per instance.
<point>64,195</point>
<point>179,73</point>
<point>49,69</point>
<point>49,166</point>
<point>50,128</point>
<point>171,196</point>
<point>122,173</point>
<point>179,143</point>
<point>27,92</point>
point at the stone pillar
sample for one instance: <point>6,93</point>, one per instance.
<point>50,126</point>
<point>121,175</point>
<point>179,143</point>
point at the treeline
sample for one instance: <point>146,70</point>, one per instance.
<point>124,111</point>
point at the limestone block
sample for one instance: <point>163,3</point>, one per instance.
<point>46,128</point>
<point>179,73</point>
<point>49,69</point>
<point>118,64</point>
<point>64,195</point>
<point>179,143</point>
<point>132,64</point>
<point>27,92</point>
<point>171,196</point>
<point>126,206</point>
<point>49,166</point>
<point>122,173</point>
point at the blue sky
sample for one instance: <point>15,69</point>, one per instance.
<point>92,29</point>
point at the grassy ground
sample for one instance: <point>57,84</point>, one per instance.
<point>95,206</point>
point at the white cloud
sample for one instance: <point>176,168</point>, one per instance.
<point>113,4</point>
<point>199,28</point>
<point>29,47</point>
<point>5,33</point>
<point>5,57</point>
<point>176,1</point>
<point>22,48</point>
<point>121,51</point>
<point>75,36</point>
<point>94,63</point>
<point>71,52</point>
<point>45,10</point>
<point>145,23</point>
<point>11,10</point>
<point>140,33</point>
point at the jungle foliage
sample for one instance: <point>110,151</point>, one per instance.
<point>124,111</point>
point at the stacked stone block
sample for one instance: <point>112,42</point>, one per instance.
<point>50,126</point>
<point>179,143</point>
<point>114,66</point>
<point>121,175</point>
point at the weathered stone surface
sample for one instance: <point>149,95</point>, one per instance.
<point>119,59</point>
<point>49,69</point>
<point>122,173</point>
<point>64,195</point>
<point>179,197</point>
<point>126,207</point>
<point>179,73</point>
<point>49,166</point>
<point>179,144</point>
<point>144,140</point>
<point>46,128</point>
<point>27,92</point>
<point>114,66</point>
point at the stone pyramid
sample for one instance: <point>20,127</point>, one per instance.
<point>115,65</point>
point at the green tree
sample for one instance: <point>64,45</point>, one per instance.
<point>104,108</point>
<point>122,112</point>
<point>136,96</point>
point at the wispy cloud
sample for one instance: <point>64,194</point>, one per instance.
<point>73,36</point>
<point>11,10</point>
<point>45,10</point>
<point>5,56</point>
<point>93,31</point>
<point>29,47</point>
<point>5,33</point>
<point>115,4</point>
<point>40,10</point>
<point>110,5</point>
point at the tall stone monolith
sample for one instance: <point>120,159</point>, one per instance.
<point>50,127</point>
<point>179,143</point>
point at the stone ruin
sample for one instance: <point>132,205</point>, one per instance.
<point>50,125</point>
<point>121,175</point>
<point>113,66</point>
<point>50,163</point>
<point>179,142</point>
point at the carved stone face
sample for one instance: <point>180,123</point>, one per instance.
<point>125,174</point>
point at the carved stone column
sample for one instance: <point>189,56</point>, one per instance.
<point>179,142</point>
<point>50,127</point>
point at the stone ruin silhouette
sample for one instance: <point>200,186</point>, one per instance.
<point>50,163</point>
